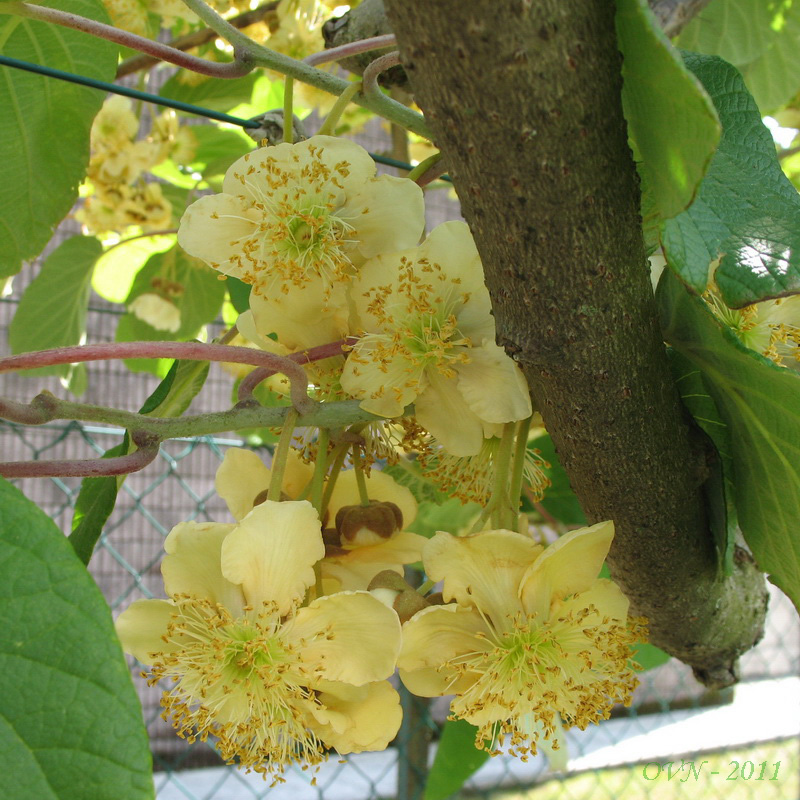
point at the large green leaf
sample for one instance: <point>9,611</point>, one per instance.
<point>52,312</point>
<point>746,210</point>
<point>760,404</point>
<point>70,722</point>
<point>457,759</point>
<point>671,119</point>
<point>44,126</point>
<point>98,496</point>
<point>761,38</point>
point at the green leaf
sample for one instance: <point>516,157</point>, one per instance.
<point>761,39</point>
<point>559,499</point>
<point>98,496</point>
<point>117,267</point>
<point>746,209</point>
<point>202,295</point>
<point>70,722</point>
<point>218,94</point>
<point>44,126</point>
<point>760,403</point>
<point>93,506</point>
<point>409,474</point>
<point>199,303</point>
<point>451,515</point>
<point>457,759</point>
<point>239,292</point>
<point>718,487</point>
<point>648,656</point>
<point>52,312</point>
<point>671,119</point>
<point>217,149</point>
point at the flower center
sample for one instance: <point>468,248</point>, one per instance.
<point>238,680</point>
<point>567,665</point>
<point>302,228</point>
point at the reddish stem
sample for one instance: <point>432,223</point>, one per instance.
<point>189,351</point>
<point>235,69</point>
<point>88,468</point>
<point>351,49</point>
<point>322,351</point>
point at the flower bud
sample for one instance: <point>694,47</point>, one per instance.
<point>365,525</point>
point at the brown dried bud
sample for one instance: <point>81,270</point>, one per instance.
<point>363,525</point>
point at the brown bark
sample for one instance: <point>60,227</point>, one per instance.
<point>524,101</point>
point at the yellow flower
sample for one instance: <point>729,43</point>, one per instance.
<point>295,221</point>
<point>274,682</point>
<point>532,633</point>
<point>771,328</point>
<point>115,124</point>
<point>350,562</point>
<point>293,213</point>
<point>429,339</point>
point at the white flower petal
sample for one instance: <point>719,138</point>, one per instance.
<point>213,228</point>
<point>566,567</point>
<point>388,215</point>
<point>483,570</point>
<point>192,564</point>
<point>140,628</point>
<point>384,389</point>
<point>240,478</point>
<point>493,386</point>
<point>432,637</point>
<point>357,718</point>
<point>442,410</point>
<point>349,636</point>
<point>272,551</point>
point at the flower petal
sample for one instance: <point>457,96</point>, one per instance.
<point>357,718</point>
<point>493,386</point>
<point>483,570</point>
<point>306,316</point>
<point>349,636</point>
<point>272,552</point>
<point>384,389</point>
<point>240,478</point>
<point>213,229</point>
<point>432,637</point>
<point>140,628</point>
<point>566,567</point>
<point>192,564</point>
<point>388,215</point>
<point>442,410</point>
<point>605,596</point>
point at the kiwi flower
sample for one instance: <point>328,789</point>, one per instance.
<point>273,680</point>
<point>428,338</point>
<point>303,217</point>
<point>531,633</point>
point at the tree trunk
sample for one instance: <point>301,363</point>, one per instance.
<point>524,101</point>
